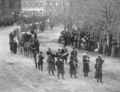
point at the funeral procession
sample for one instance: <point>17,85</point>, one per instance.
<point>59,45</point>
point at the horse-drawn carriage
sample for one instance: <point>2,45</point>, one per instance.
<point>25,41</point>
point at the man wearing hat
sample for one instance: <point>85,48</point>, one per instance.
<point>51,64</point>
<point>74,56</point>
<point>40,61</point>
<point>60,67</point>
<point>98,68</point>
<point>49,51</point>
<point>86,61</point>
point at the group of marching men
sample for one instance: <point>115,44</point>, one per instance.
<point>60,58</point>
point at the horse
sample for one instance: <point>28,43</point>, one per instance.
<point>27,48</point>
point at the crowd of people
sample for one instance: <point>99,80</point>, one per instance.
<point>60,58</point>
<point>84,41</point>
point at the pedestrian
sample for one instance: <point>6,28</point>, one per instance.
<point>50,62</point>
<point>40,61</point>
<point>33,49</point>
<point>118,50</point>
<point>74,55</point>
<point>98,69</point>
<point>68,39</point>
<point>14,47</point>
<point>11,46</point>
<point>65,56</point>
<point>65,40</point>
<point>60,67</point>
<point>35,58</point>
<point>79,42</point>
<point>86,60</point>
<point>49,51</point>
<point>53,55</point>
<point>107,50</point>
<point>37,44</point>
<point>75,41</point>
<point>73,68</point>
<point>72,39</point>
<point>11,36</point>
<point>59,54</point>
<point>74,52</point>
<point>63,50</point>
<point>59,39</point>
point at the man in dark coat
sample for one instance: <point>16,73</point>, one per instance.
<point>74,56</point>
<point>11,36</point>
<point>118,50</point>
<point>65,56</point>
<point>53,55</point>
<point>107,50</point>
<point>73,68</point>
<point>63,50</point>
<point>98,68</point>
<point>40,61</point>
<point>86,68</point>
<point>35,35</point>
<point>60,67</point>
<point>11,45</point>
<point>74,52</point>
<point>51,64</point>
<point>33,48</point>
<point>59,54</point>
<point>14,47</point>
<point>65,40</point>
<point>72,39</point>
<point>35,58</point>
<point>68,39</point>
<point>75,41</point>
<point>37,44</point>
<point>49,51</point>
<point>79,42</point>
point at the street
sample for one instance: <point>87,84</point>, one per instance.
<point>18,73</point>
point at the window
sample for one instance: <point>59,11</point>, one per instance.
<point>25,4</point>
<point>41,4</point>
<point>36,4</point>
<point>6,3</point>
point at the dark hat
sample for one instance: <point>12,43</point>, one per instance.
<point>40,52</point>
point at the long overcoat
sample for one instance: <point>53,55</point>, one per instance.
<point>73,68</point>
<point>98,72</point>
<point>51,64</point>
<point>14,47</point>
<point>86,66</point>
<point>60,67</point>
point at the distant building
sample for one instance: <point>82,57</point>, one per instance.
<point>40,7</point>
<point>33,7</point>
<point>9,10</point>
<point>56,7</point>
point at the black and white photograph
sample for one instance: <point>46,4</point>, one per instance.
<point>59,45</point>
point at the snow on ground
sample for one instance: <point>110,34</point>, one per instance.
<point>18,73</point>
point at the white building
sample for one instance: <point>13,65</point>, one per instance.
<point>33,7</point>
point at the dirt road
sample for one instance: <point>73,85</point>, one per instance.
<point>18,73</point>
